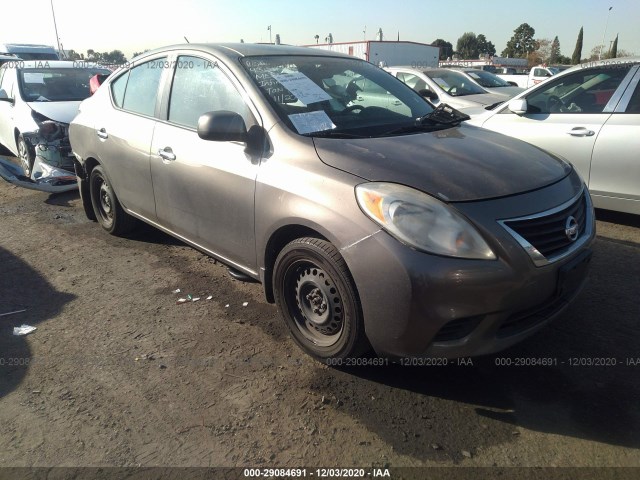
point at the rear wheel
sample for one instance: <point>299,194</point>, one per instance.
<point>26,155</point>
<point>106,207</point>
<point>317,297</point>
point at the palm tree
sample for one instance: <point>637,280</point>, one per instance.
<point>317,37</point>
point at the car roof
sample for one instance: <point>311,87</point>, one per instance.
<point>234,50</point>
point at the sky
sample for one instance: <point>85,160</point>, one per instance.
<point>136,25</point>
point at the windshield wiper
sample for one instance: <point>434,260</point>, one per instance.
<point>444,115</point>
<point>333,134</point>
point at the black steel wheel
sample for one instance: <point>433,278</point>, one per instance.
<point>106,207</point>
<point>317,297</point>
<point>26,155</point>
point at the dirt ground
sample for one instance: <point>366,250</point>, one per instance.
<point>118,374</point>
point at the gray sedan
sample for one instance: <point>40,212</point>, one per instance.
<point>589,115</point>
<point>371,222</point>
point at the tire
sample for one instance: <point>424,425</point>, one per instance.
<point>26,155</point>
<point>317,298</point>
<point>107,208</point>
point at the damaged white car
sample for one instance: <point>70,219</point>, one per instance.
<point>38,100</point>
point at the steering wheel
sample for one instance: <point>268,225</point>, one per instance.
<point>352,90</point>
<point>554,104</point>
<point>352,108</point>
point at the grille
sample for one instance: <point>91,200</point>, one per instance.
<point>547,232</point>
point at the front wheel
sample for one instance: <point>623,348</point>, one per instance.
<point>106,206</point>
<point>317,297</point>
<point>26,155</point>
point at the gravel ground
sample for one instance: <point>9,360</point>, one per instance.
<point>118,374</point>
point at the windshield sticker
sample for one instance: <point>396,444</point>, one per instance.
<point>302,87</point>
<point>31,77</point>
<point>473,75</point>
<point>441,83</point>
<point>311,122</point>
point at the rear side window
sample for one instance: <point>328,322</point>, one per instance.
<point>199,86</point>
<point>118,88</point>
<point>137,90</point>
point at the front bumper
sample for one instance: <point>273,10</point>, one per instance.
<point>417,304</point>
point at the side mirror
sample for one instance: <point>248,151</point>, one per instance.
<point>519,106</point>
<point>426,93</point>
<point>5,98</point>
<point>512,83</point>
<point>222,126</point>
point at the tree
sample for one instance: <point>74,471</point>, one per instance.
<point>467,46</point>
<point>614,49</point>
<point>542,53</point>
<point>521,43</point>
<point>577,53</point>
<point>485,47</point>
<point>73,55</point>
<point>555,55</point>
<point>114,56</point>
<point>446,49</point>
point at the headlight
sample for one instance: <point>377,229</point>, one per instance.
<point>421,221</point>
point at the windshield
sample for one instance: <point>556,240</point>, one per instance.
<point>454,83</point>
<point>56,84</point>
<point>333,96</point>
<point>487,79</point>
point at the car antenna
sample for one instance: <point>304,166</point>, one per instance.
<point>186,39</point>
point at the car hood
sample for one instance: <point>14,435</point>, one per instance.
<point>506,91</point>
<point>477,99</point>
<point>62,112</point>
<point>457,164</point>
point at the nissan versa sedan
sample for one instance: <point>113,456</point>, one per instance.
<point>589,114</point>
<point>402,230</point>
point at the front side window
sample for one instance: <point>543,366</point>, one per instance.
<point>584,91</point>
<point>454,83</point>
<point>634,102</point>
<point>414,81</point>
<point>142,87</point>
<point>487,79</point>
<point>199,86</point>
<point>56,84</point>
<point>316,95</point>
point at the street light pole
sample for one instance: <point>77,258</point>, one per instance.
<point>604,34</point>
<point>60,52</point>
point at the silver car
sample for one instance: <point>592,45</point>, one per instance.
<point>589,115</point>
<point>388,226</point>
<point>447,85</point>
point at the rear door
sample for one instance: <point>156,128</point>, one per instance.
<point>204,190</point>
<point>125,132</point>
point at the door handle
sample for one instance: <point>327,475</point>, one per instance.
<point>167,154</point>
<point>581,132</point>
<point>397,102</point>
<point>102,133</point>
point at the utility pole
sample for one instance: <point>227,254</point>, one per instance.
<point>55,26</point>
<point>604,34</point>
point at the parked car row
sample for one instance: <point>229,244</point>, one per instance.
<point>373,218</point>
